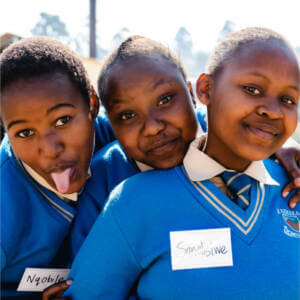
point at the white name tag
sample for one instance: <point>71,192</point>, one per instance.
<point>36,280</point>
<point>206,248</point>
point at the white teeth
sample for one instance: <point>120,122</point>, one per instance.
<point>62,180</point>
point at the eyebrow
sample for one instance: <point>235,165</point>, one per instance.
<point>266,78</point>
<point>258,75</point>
<point>14,123</point>
<point>160,82</point>
<point>51,109</point>
<point>113,102</point>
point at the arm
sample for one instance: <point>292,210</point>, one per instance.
<point>289,157</point>
<point>105,267</point>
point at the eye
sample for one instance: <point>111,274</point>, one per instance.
<point>287,100</point>
<point>252,90</point>
<point>165,100</point>
<point>25,133</point>
<point>62,121</point>
<point>127,115</point>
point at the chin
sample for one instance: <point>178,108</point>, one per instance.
<point>258,155</point>
<point>75,187</point>
<point>168,163</point>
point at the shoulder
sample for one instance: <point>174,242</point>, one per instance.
<point>111,156</point>
<point>279,174</point>
<point>103,130</point>
<point>145,190</point>
<point>277,171</point>
<point>111,152</point>
<point>16,187</point>
<point>10,170</point>
<point>6,153</point>
<point>109,167</point>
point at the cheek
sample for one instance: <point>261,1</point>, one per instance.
<point>185,121</point>
<point>82,134</point>
<point>291,122</point>
<point>128,138</point>
<point>26,152</point>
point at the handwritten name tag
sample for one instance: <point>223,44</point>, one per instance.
<point>36,280</point>
<point>192,249</point>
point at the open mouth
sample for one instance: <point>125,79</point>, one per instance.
<point>62,179</point>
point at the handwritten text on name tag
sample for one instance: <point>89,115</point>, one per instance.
<point>36,280</point>
<point>206,248</point>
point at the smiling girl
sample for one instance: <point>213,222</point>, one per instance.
<point>248,251</point>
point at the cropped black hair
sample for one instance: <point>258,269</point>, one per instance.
<point>38,56</point>
<point>235,42</point>
<point>131,48</point>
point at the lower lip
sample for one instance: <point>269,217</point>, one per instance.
<point>164,149</point>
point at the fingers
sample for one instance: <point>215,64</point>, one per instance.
<point>54,292</point>
<point>289,158</point>
<point>294,200</point>
<point>295,184</point>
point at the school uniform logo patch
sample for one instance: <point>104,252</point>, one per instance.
<point>291,222</point>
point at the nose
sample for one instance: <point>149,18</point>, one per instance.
<point>153,125</point>
<point>270,109</point>
<point>50,146</point>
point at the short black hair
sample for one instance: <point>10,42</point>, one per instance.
<point>131,48</point>
<point>235,42</point>
<point>38,56</point>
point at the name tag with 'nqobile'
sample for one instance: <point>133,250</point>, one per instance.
<point>36,280</point>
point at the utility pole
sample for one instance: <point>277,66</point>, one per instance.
<point>93,28</point>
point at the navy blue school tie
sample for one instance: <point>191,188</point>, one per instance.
<point>240,185</point>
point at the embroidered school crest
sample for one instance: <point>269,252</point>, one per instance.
<point>291,222</point>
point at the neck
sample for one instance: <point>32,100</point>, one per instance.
<point>223,155</point>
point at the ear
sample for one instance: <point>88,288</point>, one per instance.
<point>189,84</point>
<point>94,103</point>
<point>203,88</point>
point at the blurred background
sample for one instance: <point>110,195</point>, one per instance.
<point>191,28</point>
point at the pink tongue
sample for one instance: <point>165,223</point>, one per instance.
<point>62,180</point>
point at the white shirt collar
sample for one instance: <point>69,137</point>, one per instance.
<point>290,142</point>
<point>37,177</point>
<point>143,167</point>
<point>199,166</point>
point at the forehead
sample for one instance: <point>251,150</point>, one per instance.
<point>24,96</point>
<point>141,72</point>
<point>272,57</point>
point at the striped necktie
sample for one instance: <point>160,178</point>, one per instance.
<point>240,185</point>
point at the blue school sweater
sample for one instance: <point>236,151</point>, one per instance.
<point>136,224</point>
<point>103,131</point>
<point>60,245</point>
<point>113,166</point>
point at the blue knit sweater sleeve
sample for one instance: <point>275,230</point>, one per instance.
<point>105,267</point>
<point>103,130</point>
